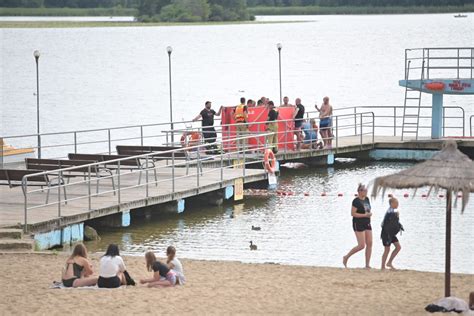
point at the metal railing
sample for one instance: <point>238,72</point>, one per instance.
<point>471,122</point>
<point>444,62</point>
<point>103,140</point>
<point>388,119</point>
<point>343,126</point>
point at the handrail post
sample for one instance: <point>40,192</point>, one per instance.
<point>89,187</point>
<point>463,122</point>
<point>110,145</point>
<point>60,180</point>
<point>146,176</point>
<point>458,64</point>
<point>25,190</point>
<point>337,133</point>
<point>428,63</point>
<point>361,132</point>
<point>222,164</point>
<point>394,121</point>
<point>1,151</point>
<point>373,128</point>
<point>444,121</point>
<point>172,173</point>
<point>118,184</point>
<point>141,135</point>
<point>355,121</point>
<point>245,149</point>
<point>197,170</point>
<point>75,142</point>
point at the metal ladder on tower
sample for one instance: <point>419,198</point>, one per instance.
<point>411,113</point>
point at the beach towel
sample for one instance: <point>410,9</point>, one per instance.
<point>448,304</point>
<point>60,285</point>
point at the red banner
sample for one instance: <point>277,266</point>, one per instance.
<point>256,118</point>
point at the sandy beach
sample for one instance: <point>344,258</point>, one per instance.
<point>216,287</point>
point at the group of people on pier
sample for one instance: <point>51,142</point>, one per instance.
<point>305,131</point>
<point>78,270</point>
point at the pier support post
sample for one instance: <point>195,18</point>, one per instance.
<point>437,116</point>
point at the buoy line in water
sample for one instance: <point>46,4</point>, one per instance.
<point>278,192</point>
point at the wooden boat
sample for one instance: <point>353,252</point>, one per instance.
<point>11,154</point>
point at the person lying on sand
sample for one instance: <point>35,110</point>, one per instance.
<point>78,269</point>
<point>162,275</point>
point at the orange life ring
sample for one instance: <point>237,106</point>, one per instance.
<point>435,86</point>
<point>270,161</point>
<point>190,139</point>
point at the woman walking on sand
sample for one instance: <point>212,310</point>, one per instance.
<point>361,224</point>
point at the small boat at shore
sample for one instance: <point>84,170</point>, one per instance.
<point>11,154</point>
<point>460,15</point>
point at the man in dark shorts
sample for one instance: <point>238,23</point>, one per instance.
<point>208,131</point>
<point>298,117</point>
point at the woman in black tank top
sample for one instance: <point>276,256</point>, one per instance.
<point>361,213</point>
<point>78,269</point>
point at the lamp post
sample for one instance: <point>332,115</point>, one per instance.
<point>169,49</point>
<point>36,53</point>
<point>279,46</point>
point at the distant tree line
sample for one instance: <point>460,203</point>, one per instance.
<point>69,3</point>
<point>214,10</point>
<point>329,3</point>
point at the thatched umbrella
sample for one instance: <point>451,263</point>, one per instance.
<point>449,169</point>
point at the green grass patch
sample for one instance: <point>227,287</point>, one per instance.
<point>317,10</point>
<point>67,12</point>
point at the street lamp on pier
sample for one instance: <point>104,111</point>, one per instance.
<point>169,49</point>
<point>279,46</point>
<point>36,53</point>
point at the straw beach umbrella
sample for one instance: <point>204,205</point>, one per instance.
<point>450,170</point>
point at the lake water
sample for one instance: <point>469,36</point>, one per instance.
<point>104,77</point>
<point>306,230</point>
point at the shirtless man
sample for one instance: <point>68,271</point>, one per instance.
<point>325,123</point>
<point>285,103</point>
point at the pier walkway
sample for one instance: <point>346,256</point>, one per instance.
<point>116,194</point>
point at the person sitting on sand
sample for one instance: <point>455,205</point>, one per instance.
<point>361,213</point>
<point>387,234</point>
<point>78,269</point>
<point>112,268</point>
<point>162,276</point>
<point>174,264</point>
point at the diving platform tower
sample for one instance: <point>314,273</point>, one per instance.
<point>437,71</point>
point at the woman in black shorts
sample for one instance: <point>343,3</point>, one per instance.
<point>361,224</point>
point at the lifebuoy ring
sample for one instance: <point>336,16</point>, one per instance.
<point>270,161</point>
<point>435,86</point>
<point>190,139</point>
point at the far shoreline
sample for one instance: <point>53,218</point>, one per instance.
<point>95,24</point>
